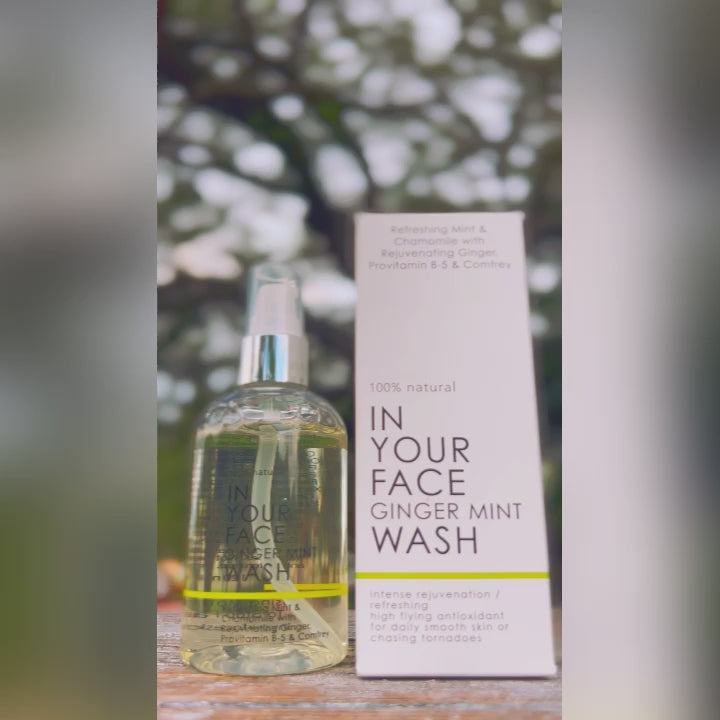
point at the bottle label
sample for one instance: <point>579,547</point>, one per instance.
<point>267,552</point>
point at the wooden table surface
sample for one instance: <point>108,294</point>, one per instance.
<point>337,694</point>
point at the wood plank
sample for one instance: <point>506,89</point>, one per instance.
<point>184,694</point>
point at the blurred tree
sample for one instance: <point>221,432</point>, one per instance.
<point>280,118</point>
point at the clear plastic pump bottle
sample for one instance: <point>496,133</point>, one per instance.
<point>266,582</point>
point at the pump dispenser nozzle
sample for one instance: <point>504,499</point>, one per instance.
<point>275,348</point>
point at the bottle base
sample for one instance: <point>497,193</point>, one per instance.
<point>265,660</point>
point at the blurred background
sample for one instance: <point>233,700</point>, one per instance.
<point>277,120</point>
<point>77,321</point>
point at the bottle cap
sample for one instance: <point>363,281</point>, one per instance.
<point>275,347</point>
<point>274,305</point>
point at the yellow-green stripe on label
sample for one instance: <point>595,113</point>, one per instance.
<point>306,591</point>
<point>313,586</point>
<point>452,575</point>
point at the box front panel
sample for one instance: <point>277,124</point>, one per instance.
<point>451,558</point>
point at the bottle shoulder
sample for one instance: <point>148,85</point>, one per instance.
<point>279,405</point>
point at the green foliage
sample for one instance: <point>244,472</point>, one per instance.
<point>173,494</point>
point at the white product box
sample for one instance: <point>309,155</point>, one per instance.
<point>451,557</point>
